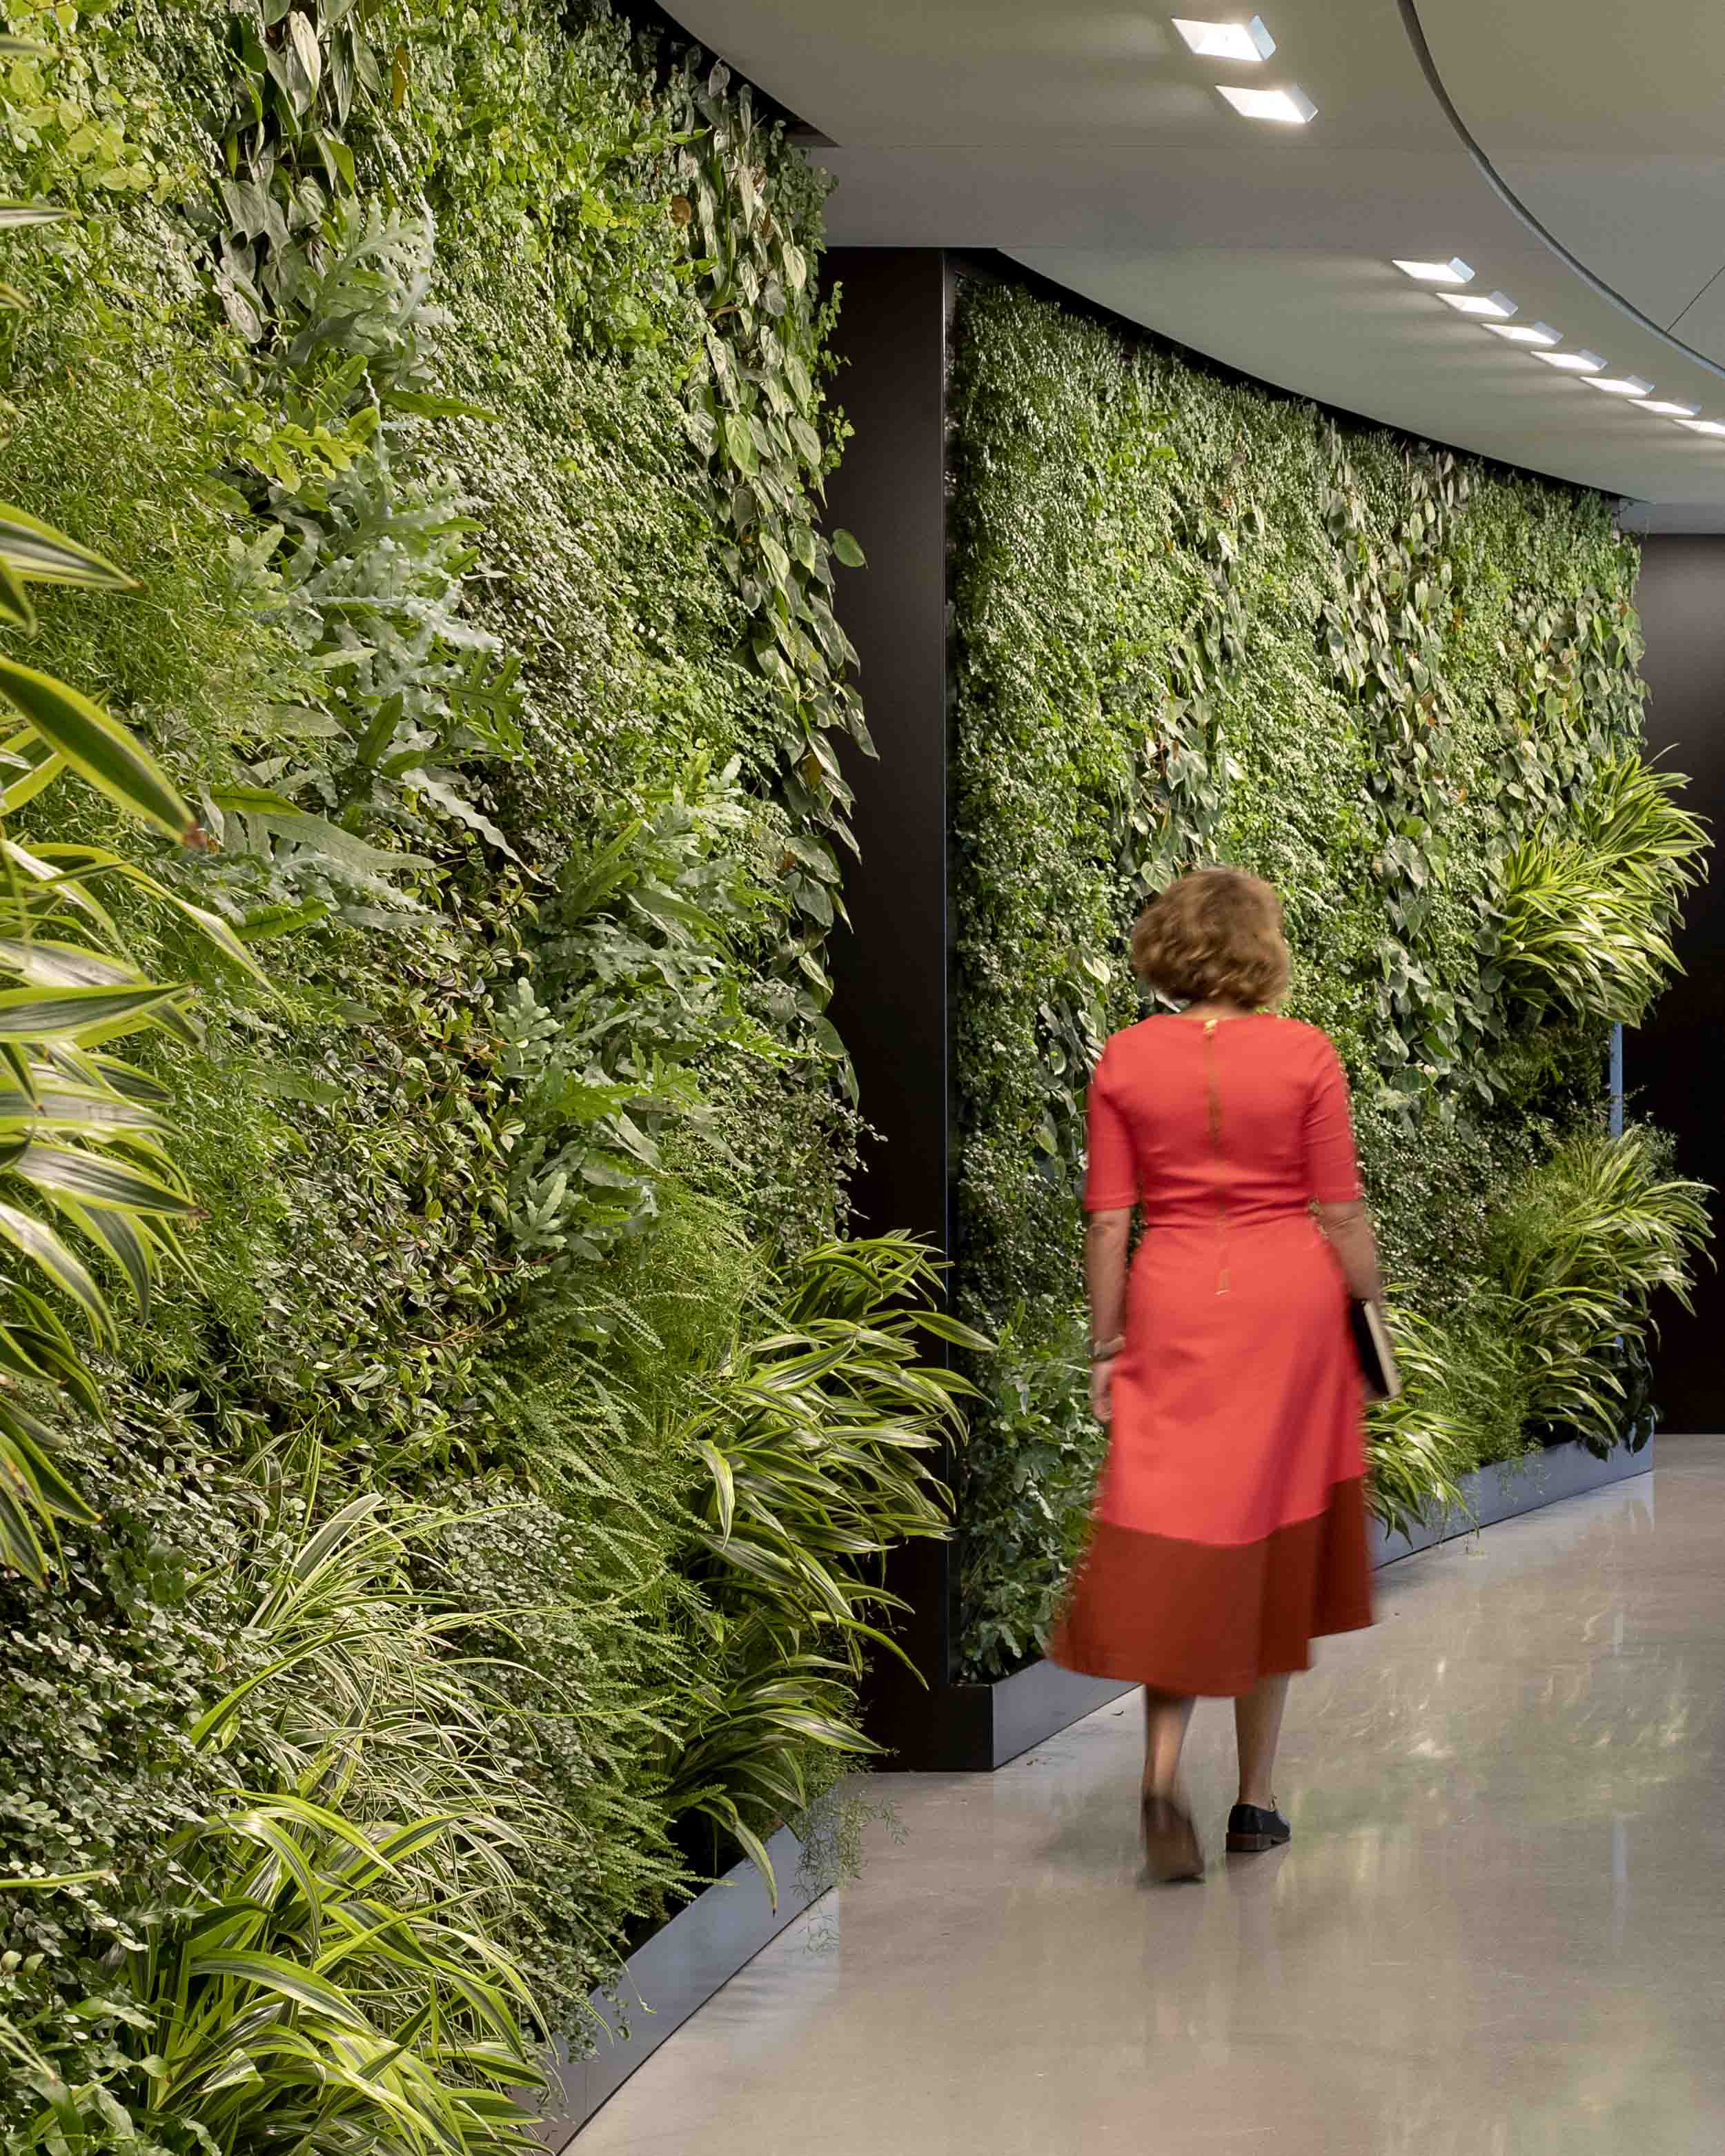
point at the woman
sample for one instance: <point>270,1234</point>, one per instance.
<point>1229,1526</point>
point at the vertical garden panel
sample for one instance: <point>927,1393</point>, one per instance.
<point>1196,619</point>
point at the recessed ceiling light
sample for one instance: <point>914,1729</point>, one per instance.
<point>1497,304</point>
<point>1525,332</point>
<point>1573,362</point>
<point>1292,106</point>
<point>1228,41</point>
<point>1669,410</point>
<point>1454,271</point>
<point>1622,385</point>
<point>1703,426</point>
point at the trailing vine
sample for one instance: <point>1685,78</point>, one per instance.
<point>756,408</point>
<point>1385,635</point>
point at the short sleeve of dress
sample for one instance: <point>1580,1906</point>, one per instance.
<point>1331,1169</point>
<point>1111,1180</point>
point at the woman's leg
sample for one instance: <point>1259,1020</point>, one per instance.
<point>1166,1715</point>
<point>1257,1725</point>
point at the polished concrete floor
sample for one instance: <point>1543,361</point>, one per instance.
<point>1499,1930</point>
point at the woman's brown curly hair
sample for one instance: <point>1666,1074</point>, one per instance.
<point>1214,936</point>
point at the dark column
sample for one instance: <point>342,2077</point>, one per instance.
<point>1673,1061</point>
<point>890,1004</point>
<point>890,969</point>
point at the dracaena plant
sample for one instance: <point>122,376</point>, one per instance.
<point>306,1995</point>
<point>1589,910</point>
<point>84,1167</point>
<point>823,1434</point>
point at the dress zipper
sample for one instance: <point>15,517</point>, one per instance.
<point>1210,1025</point>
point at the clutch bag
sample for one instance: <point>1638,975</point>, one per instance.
<point>1377,1357</point>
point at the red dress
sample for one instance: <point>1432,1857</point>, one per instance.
<point>1229,1526</point>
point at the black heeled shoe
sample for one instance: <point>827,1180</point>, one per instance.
<point>1250,1829</point>
<point>1171,1849</point>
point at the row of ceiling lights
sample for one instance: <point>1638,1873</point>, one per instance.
<point>1494,310</point>
<point>1251,44</point>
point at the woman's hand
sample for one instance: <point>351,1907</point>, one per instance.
<point>1101,1388</point>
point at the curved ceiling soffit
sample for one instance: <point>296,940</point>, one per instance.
<point>1512,201</point>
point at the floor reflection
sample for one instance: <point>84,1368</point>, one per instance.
<point>1494,1931</point>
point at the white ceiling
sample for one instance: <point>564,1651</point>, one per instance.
<point>1086,141</point>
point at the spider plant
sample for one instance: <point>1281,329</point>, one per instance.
<point>1464,1402</point>
<point>822,1435</point>
<point>1582,1246</point>
<point>304,1996</point>
<point>365,1689</point>
<point>327,1977</point>
<point>1589,909</point>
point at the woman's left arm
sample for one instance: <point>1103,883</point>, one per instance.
<point>1105,1236</point>
<point>1110,1189</point>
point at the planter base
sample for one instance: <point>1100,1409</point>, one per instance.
<point>677,1971</point>
<point>1519,1485</point>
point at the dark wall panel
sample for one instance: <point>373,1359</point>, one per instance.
<point>1672,1063</point>
<point>890,1001</point>
<point>891,971</point>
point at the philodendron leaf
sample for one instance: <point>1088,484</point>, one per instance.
<point>99,748</point>
<point>42,554</point>
<point>847,550</point>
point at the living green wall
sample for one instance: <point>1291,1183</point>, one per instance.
<point>451,379</point>
<point>1195,620</point>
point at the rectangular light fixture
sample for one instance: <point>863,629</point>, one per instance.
<point>1292,106</point>
<point>1622,385</point>
<point>1668,410</point>
<point>1454,271</point>
<point>1228,41</point>
<point>1703,426</point>
<point>1525,332</point>
<point>1573,362</point>
<point>1498,305</point>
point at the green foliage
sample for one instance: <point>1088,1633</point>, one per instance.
<point>1550,1337</point>
<point>1197,621</point>
<point>451,381</point>
<point>87,1170</point>
<point>1465,1400</point>
<point>1581,1247</point>
<point>1589,910</point>
<point>755,407</point>
<point>634,984</point>
<point>303,1994</point>
<point>813,1433</point>
<point>1025,1519</point>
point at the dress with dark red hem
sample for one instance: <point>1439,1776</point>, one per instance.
<point>1230,1528</point>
